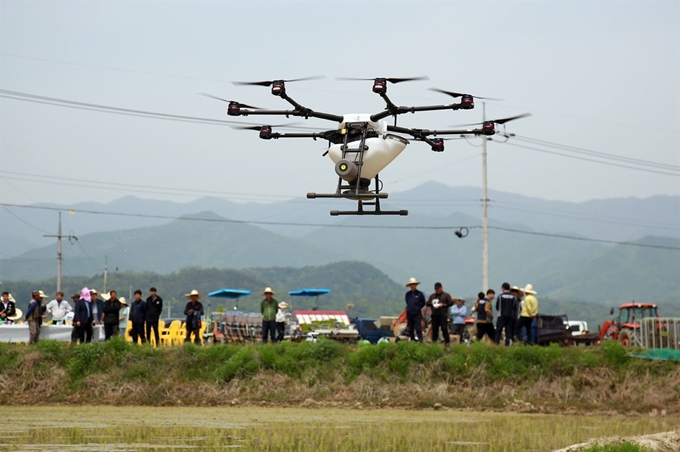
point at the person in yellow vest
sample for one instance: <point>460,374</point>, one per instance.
<point>530,312</point>
<point>34,315</point>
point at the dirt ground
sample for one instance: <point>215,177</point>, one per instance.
<point>661,442</point>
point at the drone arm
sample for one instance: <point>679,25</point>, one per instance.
<point>326,116</point>
<point>403,110</point>
<point>422,134</point>
<point>306,112</point>
<point>400,129</point>
<point>298,135</point>
<point>276,135</point>
<point>246,112</point>
<point>455,132</point>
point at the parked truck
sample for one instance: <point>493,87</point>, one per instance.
<point>557,329</point>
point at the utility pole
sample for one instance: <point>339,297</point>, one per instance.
<point>106,274</point>
<point>485,212</point>
<point>59,236</point>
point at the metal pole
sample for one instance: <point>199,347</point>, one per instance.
<point>59,254</point>
<point>106,274</point>
<point>485,212</point>
<point>59,236</point>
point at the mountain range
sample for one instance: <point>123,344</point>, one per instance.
<point>400,247</point>
<point>614,219</point>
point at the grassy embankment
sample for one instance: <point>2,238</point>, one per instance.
<point>525,379</point>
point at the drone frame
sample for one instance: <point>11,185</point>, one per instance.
<point>359,190</point>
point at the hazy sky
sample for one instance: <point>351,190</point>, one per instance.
<point>598,75</point>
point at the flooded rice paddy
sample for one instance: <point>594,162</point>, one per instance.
<point>62,429</point>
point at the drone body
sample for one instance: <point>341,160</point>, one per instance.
<point>362,145</point>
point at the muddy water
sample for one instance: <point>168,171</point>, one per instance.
<point>283,429</point>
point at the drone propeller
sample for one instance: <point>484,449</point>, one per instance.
<point>439,138</point>
<point>455,94</point>
<point>229,101</point>
<point>271,82</point>
<point>497,121</point>
<point>290,125</point>
<point>388,79</point>
<point>380,83</point>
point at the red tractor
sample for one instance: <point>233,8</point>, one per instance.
<point>626,329</point>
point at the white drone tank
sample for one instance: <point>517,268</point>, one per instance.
<point>381,149</point>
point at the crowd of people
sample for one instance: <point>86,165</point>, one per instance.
<point>90,310</point>
<point>516,314</point>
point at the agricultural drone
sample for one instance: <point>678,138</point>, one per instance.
<point>362,145</point>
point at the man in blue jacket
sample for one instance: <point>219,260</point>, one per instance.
<point>83,318</point>
<point>138,317</point>
<point>415,302</point>
<point>154,309</point>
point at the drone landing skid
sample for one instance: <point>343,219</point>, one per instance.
<point>335,213</point>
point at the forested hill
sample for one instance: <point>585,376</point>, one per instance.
<point>372,292</point>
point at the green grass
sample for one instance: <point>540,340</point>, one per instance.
<point>553,377</point>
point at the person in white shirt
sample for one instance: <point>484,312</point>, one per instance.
<point>123,318</point>
<point>281,316</point>
<point>58,308</point>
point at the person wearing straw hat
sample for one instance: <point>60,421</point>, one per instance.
<point>415,302</point>
<point>530,314</point>
<point>193,311</point>
<point>123,316</point>
<point>281,321</point>
<point>35,315</point>
<point>8,307</point>
<point>268,308</point>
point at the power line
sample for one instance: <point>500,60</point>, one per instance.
<point>27,97</point>
<point>85,253</point>
<point>349,226</point>
<point>134,188</point>
<point>434,202</point>
<point>509,143</point>
<point>227,220</point>
<point>24,221</point>
<point>586,239</point>
<point>604,155</point>
<point>155,187</point>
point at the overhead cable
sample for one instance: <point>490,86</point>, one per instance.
<point>350,226</point>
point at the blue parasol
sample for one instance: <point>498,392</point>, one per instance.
<point>309,293</point>
<point>229,293</point>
